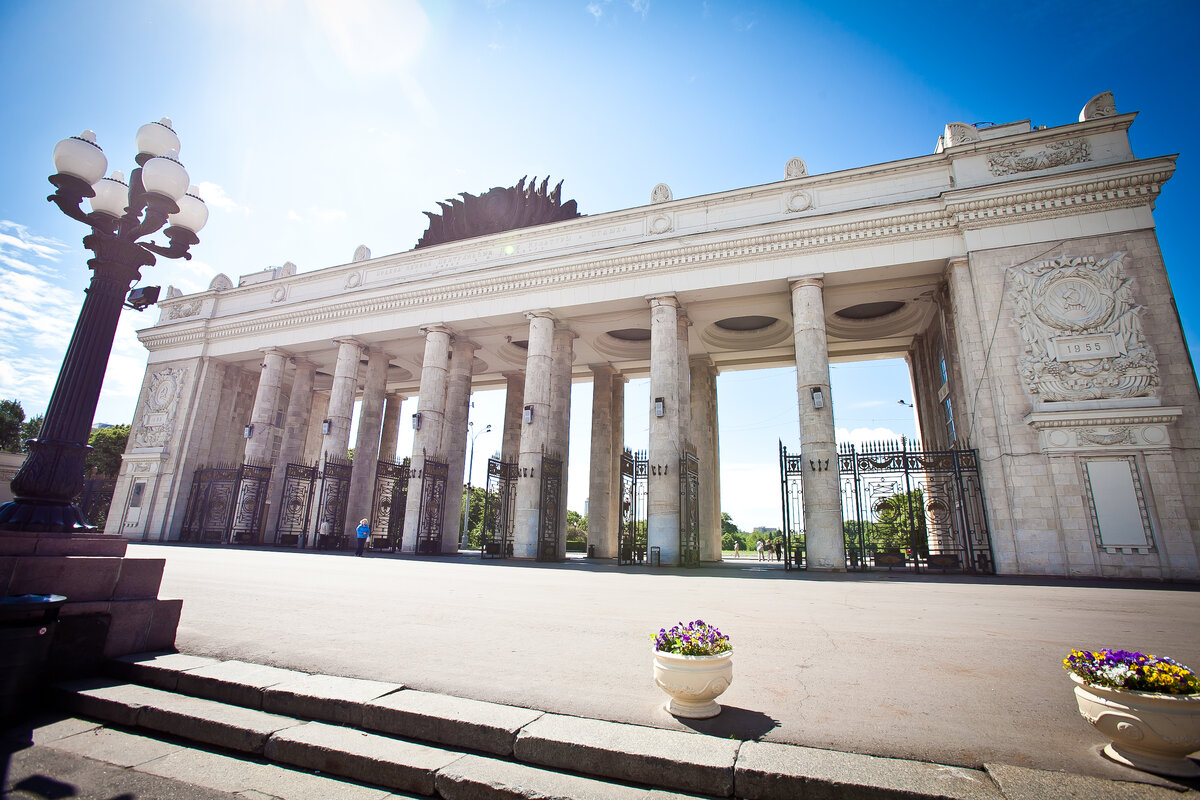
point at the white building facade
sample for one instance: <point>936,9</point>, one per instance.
<point>1016,269</point>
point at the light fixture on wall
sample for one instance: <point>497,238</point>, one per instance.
<point>326,426</point>
<point>818,397</point>
<point>417,421</point>
<point>249,431</point>
<point>659,407</point>
<point>528,415</point>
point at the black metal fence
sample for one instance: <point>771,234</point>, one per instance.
<point>550,513</point>
<point>499,509</point>
<point>389,503</point>
<point>631,536</point>
<point>689,509</point>
<point>434,475</point>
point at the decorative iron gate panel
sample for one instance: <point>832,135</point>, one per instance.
<point>791,480</point>
<point>210,504</point>
<point>434,475</point>
<point>391,496</point>
<point>299,481</point>
<point>331,513</point>
<point>631,536</point>
<point>912,508</point>
<point>550,512</point>
<point>689,509</point>
<point>499,509</point>
<point>94,500</point>
<point>246,523</point>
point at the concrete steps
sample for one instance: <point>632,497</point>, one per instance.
<point>426,744</point>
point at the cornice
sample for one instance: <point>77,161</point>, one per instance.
<point>960,211</point>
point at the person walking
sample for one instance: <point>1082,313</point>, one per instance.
<point>761,553</point>
<point>363,530</point>
<point>737,549</point>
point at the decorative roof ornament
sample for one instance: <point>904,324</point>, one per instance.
<point>1102,105</point>
<point>498,209</point>
<point>661,194</point>
<point>796,168</point>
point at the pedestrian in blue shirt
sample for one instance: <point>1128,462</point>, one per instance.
<point>363,531</point>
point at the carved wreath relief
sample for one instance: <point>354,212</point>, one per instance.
<point>158,417</point>
<point>1056,154</point>
<point>1082,331</point>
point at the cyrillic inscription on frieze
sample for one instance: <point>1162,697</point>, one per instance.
<point>1082,331</point>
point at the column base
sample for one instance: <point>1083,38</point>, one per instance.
<point>42,517</point>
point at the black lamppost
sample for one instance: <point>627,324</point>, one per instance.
<point>122,214</point>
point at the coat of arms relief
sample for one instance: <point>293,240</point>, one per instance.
<point>157,422</point>
<point>1082,331</point>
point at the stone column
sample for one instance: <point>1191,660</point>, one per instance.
<point>262,417</point>
<point>618,447</point>
<point>427,439</point>
<point>341,399</point>
<point>601,530</point>
<point>361,499</point>
<point>317,414</point>
<point>662,529</point>
<point>391,427</point>
<point>685,384</point>
<point>510,445</point>
<point>704,436</point>
<point>535,434</point>
<point>454,438</point>
<point>561,359</point>
<point>295,432</point>
<point>823,539</point>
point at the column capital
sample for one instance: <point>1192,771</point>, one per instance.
<point>300,363</point>
<point>664,299</point>
<point>539,312</point>
<point>602,368</point>
<point>683,320</point>
<point>341,340</point>
<point>620,377</point>
<point>434,327</point>
<point>565,333</point>
<point>817,280</point>
<point>957,261</point>
<point>464,344</point>
<point>398,396</point>
<point>275,351</point>
<point>513,374</point>
<point>703,361</point>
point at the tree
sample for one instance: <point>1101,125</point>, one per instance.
<point>107,446</point>
<point>11,417</point>
<point>576,527</point>
<point>30,428</point>
<point>900,521</point>
<point>727,524</point>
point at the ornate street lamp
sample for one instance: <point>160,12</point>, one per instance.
<point>121,216</point>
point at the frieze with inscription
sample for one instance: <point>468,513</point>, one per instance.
<point>1082,331</point>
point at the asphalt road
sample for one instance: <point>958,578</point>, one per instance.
<point>947,669</point>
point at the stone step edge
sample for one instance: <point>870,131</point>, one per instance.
<point>760,770</point>
<point>460,776</point>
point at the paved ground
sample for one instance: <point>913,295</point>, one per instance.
<point>937,668</point>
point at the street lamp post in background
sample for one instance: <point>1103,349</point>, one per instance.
<point>121,216</point>
<point>470,464</point>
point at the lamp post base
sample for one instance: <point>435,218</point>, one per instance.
<point>35,516</point>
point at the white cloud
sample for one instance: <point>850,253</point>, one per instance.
<point>859,436</point>
<point>596,9</point>
<point>214,197</point>
<point>640,7</point>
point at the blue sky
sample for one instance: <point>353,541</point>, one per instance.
<point>314,127</point>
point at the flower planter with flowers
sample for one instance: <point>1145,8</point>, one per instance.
<point>1148,705</point>
<point>693,664</point>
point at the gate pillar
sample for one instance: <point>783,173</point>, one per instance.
<point>428,422</point>
<point>665,446</point>
<point>366,446</point>
<point>262,417</point>
<point>600,523</point>
<point>535,433</point>
<point>454,438</point>
<point>295,430</point>
<point>824,542</point>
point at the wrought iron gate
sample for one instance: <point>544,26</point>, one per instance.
<point>791,487</point>
<point>331,511</point>
<point>390,499</point>
<point>299,481</point>
<point>550,512</point>
<point>499,509</point>
<point>247,521</point>
<point>912,508</point>
<point>210,504</point>
<point>689,509</point>
<point>631,536</point>
<point>434,475</point>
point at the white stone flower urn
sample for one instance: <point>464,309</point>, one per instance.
<point>693,682</point>
<point>1151,732</point>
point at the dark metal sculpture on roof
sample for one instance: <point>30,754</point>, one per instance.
<point>498,209</point>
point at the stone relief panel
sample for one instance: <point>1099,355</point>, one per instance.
<point>184,310</point>
<point>1102,105</point>
<point>1056,154</point>
<point>157,422</point>
<point>1082,331</point>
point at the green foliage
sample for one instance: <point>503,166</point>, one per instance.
<point>479,499</point>
<point>30,428</point>
<point>576,520</point>
<point>899,522</point>
<point>107,446</point>
<point>11,417</point>
<point>727,524</point>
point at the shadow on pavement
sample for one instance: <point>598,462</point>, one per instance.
<point>734,723</point>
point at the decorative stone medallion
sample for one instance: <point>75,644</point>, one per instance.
<point>799,201</point>
<point>157,422</point>
<point>1082,331</point>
